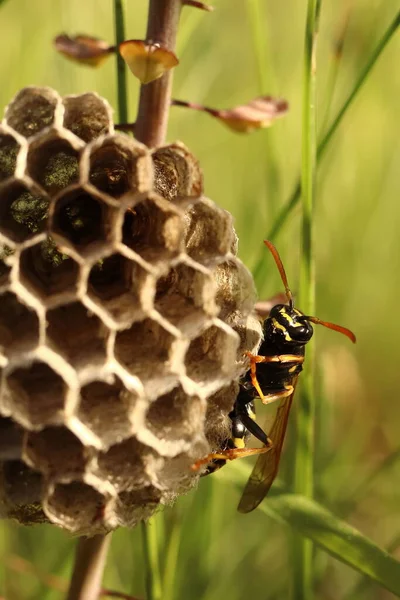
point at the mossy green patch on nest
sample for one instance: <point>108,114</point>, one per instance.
<point>30,211</point>
<point>60,171</point>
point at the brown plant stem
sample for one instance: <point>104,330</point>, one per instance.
<point>90,559</point>
<point>155,97</point>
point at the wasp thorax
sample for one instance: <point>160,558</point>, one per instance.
<point>124,315</point>
<point>288,325</point>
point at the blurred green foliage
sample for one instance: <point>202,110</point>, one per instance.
<point>217,552</point>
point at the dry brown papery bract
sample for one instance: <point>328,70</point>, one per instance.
<point>124,315</point>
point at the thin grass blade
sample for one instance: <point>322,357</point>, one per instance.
<point>151,559</point>
<point>122,90</point>
<point>331,534</point>
<point>363,585</point>
<point>336,537</point>
<point>294,198</point>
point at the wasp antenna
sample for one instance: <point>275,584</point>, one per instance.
<point>338,328</point>
<point>281,269</point>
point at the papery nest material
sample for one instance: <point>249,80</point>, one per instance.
<point>124,317</point>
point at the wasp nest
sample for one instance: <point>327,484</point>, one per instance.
<point>124,315</point>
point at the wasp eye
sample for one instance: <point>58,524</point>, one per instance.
<point>302,334</point>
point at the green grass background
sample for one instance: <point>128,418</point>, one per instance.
<point>219,553</point>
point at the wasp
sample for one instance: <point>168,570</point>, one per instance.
<point>272,377</point>
<point>243,425</point>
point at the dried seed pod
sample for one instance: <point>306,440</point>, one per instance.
<point>124,315</point>
<point>147,60</point>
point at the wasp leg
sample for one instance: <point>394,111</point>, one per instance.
<point>254,428</point>
<point>274,396</point>
<point>279,358</point>
<point>231,454</point>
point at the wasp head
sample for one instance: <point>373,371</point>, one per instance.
<point>288,325</point>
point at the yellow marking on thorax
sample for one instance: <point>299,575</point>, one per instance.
<point>238,442</point>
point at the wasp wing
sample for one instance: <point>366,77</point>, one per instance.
<point>266,467</point>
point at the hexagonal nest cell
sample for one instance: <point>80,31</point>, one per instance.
<point>47,273</point>
<point>56,452</point>
<point>9,148</point>
<point>19,325</point>
<point>145,350</point>
<point>210,355</point>
<point>106,409</point>
<point>16,475</point>
<point>53,164</point>
<point>124,316</point>
<point>23,211</point>
<point>75,506</point>
<point>121,287</point>
<point>153,229</point>
<point>81,345</point>
<point>118,166</point>
<point>82,221</point>
<point>185,297</point>
<point>35,395</point>
<point>32,110</point>
<point>178,175</point>
<point>175,416</point>
<point>123,465</point>
<point>134,506</point>
<point>204,220</point>
<point>88,116</point>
